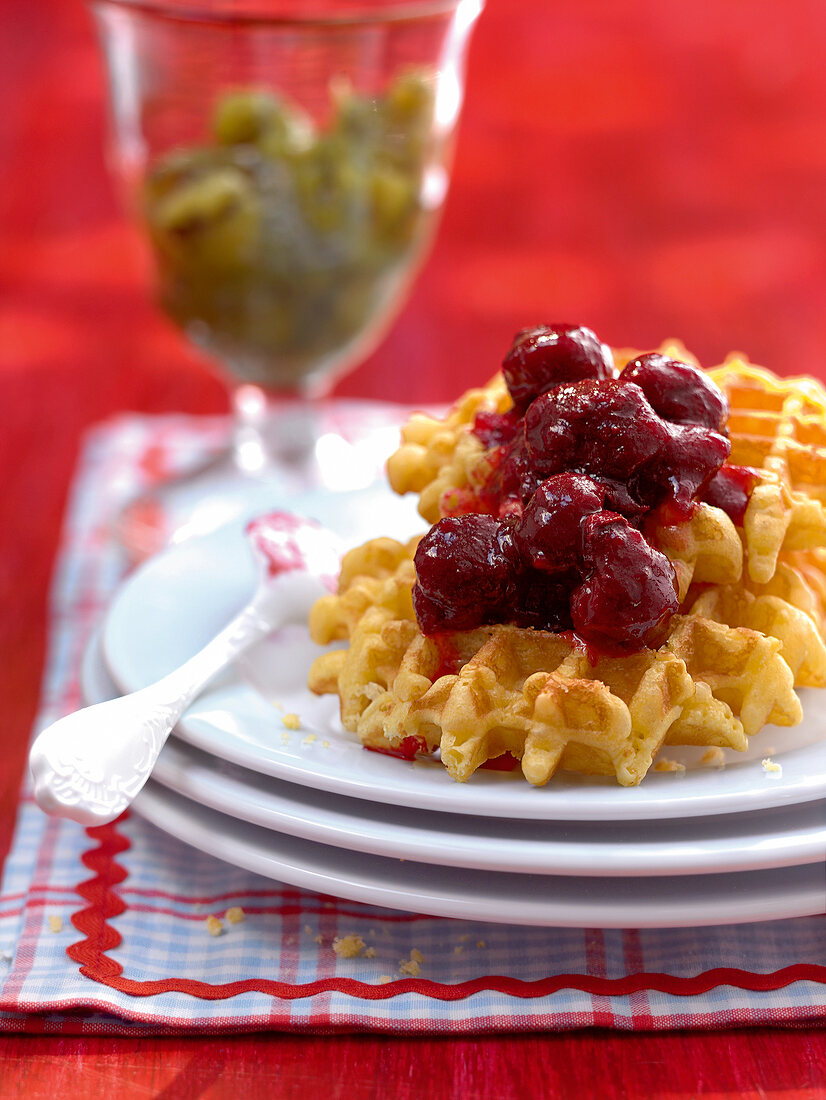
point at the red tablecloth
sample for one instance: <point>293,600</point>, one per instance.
<point>649,168</point>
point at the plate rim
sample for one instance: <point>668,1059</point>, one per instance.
<point>757,895</point>
<point>194,779</point>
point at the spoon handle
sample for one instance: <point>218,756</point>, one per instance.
<point>89,765</point>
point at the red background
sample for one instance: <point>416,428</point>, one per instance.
<point>649,167</point>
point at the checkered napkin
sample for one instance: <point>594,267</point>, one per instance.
<point>108,930</point>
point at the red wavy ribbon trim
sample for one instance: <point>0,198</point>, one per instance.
<point>100,937</point>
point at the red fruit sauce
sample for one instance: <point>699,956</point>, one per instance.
<point>555,540</point>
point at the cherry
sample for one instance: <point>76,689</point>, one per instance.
<point>690,459</point>
<point>465,568</point>
<point>629,592</point>
<point>678,391</point>
<point>548,534</point>
<point>605,428</point>
<point>619,498</point>
<point>516,479</point>
<point>730,489</point>
<point>543,357</point>
<point>495,429</point>
<point>575,466</point>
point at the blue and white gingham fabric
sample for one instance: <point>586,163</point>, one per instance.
<point>472,978</point>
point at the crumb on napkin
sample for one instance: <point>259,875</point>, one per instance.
<point>348,947</point>
<point>412,966</point>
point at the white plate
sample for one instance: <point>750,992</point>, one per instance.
<point>565,901</point>
<point>768,838</point>
<point>171,606</point>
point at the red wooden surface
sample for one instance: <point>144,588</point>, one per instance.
<point>649,167</point>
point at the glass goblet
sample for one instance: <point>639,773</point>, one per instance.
<point>287,160</point>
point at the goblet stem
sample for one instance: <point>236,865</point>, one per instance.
<point>275,435</point>
<point>283,453</point>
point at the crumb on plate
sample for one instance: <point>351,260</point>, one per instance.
<point>291,721</point>
<point>771,767</point>
<point>713,758</point>
<point>669,766</point>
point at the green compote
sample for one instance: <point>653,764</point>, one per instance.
<point>279,243</point>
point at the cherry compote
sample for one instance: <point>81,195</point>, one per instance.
<point>549,534</point>
<point>730,489</point>
<point>465,574</point>
<point>689,460</point>
<point>679,392</point>
<point>576,467</point>
<point>601,428</point>
<point>543,601</point>
<point>543,357</point>
<point>496,429</point>
<point>629,592</point>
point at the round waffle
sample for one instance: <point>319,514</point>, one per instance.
<point>728,666</point>
<point>750,626</point>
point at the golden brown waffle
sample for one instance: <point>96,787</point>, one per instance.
<point>706,550</point>
<point>751,626</point>
<point>777,426</point>
<point>442,459</point>
<point>478,694</point>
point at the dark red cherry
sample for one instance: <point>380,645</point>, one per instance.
<point>516,479</point>
<point>604,428</point>
<point>548,535</point>
<point>619,498</point>
<point>543,357</point>
<point>679,392</point>
<point>730,489</point>
<point>629,593</point>
<point>495,429</point>
<point>678,475</point>
<point>465,574</point>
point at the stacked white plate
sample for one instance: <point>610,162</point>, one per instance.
<point>311,808</point>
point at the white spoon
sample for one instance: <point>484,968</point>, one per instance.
<point>89,765</point>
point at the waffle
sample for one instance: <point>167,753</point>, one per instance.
<point>777,426</point>
<point>442,460</point>
<point>749,631</point>
<point>728,666</point>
